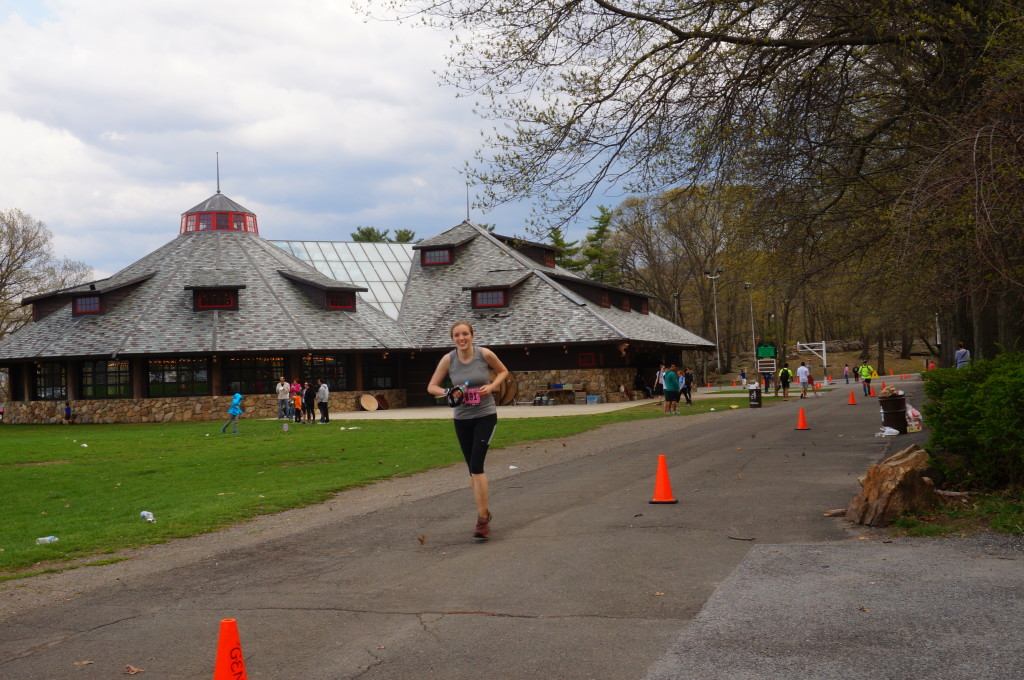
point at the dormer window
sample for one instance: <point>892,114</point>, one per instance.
<point>606,300</point>
<point>435,256</point>
<point>549,258</point>
<point>625,303</point>
<point>341,300</point>
<point>87,304</point>
<point>216,299</point>
<point>644,306</point>
<point>490,298</point>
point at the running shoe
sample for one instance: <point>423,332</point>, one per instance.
<point>483,526</point>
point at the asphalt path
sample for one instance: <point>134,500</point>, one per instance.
<point>582,578</point>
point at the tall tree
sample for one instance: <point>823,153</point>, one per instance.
<point>568,255</point>
<point>405,236</point>
<point>829,112</point>
<point>370,235</point>
<point>28,267</point>
<point>600,258</point>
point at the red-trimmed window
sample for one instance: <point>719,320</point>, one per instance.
<point>433,256</point>
<point>489,298</point>
<point>216,299</point>
<point>625,303</point>
<point>88,304</point>
<point>341,300</point>
<point>205,221</point>
<point>606,301</point>
<point>644,306</point>
<point>239,222</point>
<point>549,258</point>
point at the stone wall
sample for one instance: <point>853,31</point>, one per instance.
<point>602,382</point>
<point>170,409</point>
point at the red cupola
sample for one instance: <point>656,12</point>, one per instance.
<point>218,213</point>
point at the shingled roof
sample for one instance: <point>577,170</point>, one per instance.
<point>155,314</point>
<point>542,309</point>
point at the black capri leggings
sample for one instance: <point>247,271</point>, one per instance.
<point>474,436</point>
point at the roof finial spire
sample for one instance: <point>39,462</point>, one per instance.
<point>467,202</point>
<point>218,172</point>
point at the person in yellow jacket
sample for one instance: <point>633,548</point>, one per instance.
<point>865,371</point>
<point>785,376</point>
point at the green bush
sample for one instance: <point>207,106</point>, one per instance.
<point>976,417</point>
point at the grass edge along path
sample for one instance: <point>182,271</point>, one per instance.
<point>88,484</point>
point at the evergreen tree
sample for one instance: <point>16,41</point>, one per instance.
<point>405,236</point>
<point>600,260</point>
<point>569,251</point>
<point>370,235</point>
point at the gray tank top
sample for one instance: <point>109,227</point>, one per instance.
<point>476,373</point>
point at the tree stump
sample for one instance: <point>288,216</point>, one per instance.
<point>893,487</point>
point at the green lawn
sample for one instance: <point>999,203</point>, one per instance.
<point>87,484</point>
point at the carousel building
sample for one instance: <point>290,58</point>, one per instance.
<point>220,310</point>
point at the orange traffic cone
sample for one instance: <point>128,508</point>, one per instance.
<point>852,402</point>
<point>872,391</point>
<point>883,385</point>
<point>801,422</point>
<point>662,487</point>
<point>734,383</point>
<point>890,371</point>
<point>229,664</point>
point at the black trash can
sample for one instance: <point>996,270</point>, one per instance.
<point>894,412</point>
<point>755,398</point>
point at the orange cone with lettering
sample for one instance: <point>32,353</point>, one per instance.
<point>852,402</point>
<point>229,664</point>
<point>662,487</point>
<point>801,422</point>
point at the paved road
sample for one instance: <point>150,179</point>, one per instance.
<point>582,579</point>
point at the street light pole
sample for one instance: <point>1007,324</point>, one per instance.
<point>753,338</point>
<point>714,293</point>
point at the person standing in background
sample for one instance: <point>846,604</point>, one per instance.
<point>323,395</point>
<point>671,391</point>
<point>962,357</point>
<point>283,390</point>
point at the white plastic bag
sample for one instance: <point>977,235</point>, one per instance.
<point>887,432</point>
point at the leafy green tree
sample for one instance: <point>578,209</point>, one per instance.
<point>370,235</point>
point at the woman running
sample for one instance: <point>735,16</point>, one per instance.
<point>476,414</point>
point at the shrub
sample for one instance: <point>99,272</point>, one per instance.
<point>976,417</point>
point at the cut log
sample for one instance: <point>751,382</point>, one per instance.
<point>895,486</point>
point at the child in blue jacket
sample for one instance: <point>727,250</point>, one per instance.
<point>234,411</point>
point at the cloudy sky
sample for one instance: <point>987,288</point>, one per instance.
<point>112,111</point>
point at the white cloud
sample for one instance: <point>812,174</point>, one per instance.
<point>111,112</point>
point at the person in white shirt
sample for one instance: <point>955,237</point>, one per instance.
<point>802,374</point>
